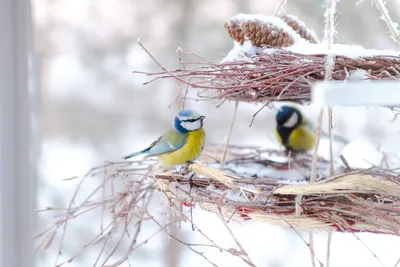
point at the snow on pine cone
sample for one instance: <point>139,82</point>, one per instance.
<point>261,30</point>
<point>299,27</point>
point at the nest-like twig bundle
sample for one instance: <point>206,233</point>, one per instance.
<point>352,202</point>
<point>252,186</point>
<point>282,63</point>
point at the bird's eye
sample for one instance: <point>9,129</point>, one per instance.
<point>190,120</point>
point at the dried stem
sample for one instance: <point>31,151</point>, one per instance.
<point>357,201</point>
<point>369,249</point>
<point>329,67</point>
<point>328,249</point>
<point>242,250</point>
<point>279,9</point>
<point>389,22</point>
<point>281,76</point>
<point>330,128</point>
<point>397,263</point>
<point>332,172</point>
<point>312,248</point>
<point>315,153</point>
<point>229,134</point>
<point>329,31</point>
<point>314,173</point>
<point>313,256</point>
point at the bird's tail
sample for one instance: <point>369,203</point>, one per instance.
<point>134,154</point>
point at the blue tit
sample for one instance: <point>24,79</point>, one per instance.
<point>292,131</point>
<point>183,143</point>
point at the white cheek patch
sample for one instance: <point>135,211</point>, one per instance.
<point>191,126</point>
<point>292,121</point>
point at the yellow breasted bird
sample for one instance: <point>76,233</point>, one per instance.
<point>292,131</point>
<point>183,143</point>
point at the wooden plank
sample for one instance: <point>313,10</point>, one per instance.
<point>382,93</point>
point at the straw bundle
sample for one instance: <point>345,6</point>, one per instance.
<point>252,186</point>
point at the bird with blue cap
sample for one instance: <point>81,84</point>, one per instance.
<point>181,144</point>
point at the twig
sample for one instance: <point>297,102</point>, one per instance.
<point>389,23</point>
<point>307,244</point>
<point>330,127</point>
<point>155,61</point>
<point>312,247</point>
<point>397,263</point>
<point>329,67</point>
<point>185,95</point>
<point>328,249</point>
<point>332,172</point>
<point>242,250</point>
<point>354,201</point>
<point>365,245</point>
<point>67,218</point>
<point>329,31</point>
<point>185,243</point>
<point>258,111</point>
<point>279,9</point>
<point>344,161</point>
<point>229,135</point>
<point>315,153</point>
<point>283,76</point>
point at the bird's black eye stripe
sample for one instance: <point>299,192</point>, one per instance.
<point>190,120</point>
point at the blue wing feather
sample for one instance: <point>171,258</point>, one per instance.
<point>167,143</point>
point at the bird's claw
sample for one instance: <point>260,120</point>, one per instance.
<point>184,170</point>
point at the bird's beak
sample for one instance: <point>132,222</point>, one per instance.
<point>202,117</point>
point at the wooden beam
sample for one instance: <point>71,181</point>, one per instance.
<point>382,93</point>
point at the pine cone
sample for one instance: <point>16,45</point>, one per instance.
<point>259,32</point>
<point>299,27</point>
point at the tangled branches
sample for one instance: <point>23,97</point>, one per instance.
<point>354,201</point>
<point>279,76</point>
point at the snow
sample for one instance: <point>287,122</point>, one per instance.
<point>241,52</point>
<point>362,153</point>
<point>330,61</point>
<point>245,51</point>
<point>358,75</point>
<point>300,46</point>
<point>352,51</point>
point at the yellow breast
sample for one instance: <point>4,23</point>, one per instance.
<point>190,151</point>
<point>299,139</point>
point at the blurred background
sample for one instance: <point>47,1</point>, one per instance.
<point>93,109</point>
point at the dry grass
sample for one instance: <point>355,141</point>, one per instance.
<point>356,201</point>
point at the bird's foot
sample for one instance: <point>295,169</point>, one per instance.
<point>289,152</point>
<point>184,169</point>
